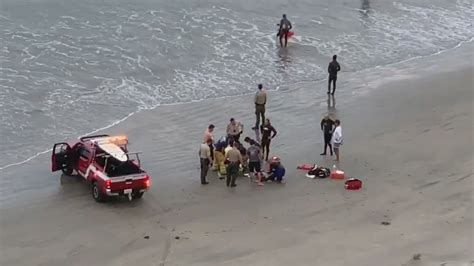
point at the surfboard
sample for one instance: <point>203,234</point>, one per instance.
<point>114,151</point>
<point>290,34</point>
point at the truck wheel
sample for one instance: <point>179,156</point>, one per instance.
<point>97,194</point>
<point>137,195</point>
<point>68,170</point>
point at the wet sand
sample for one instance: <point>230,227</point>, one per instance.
<point>409,140</point>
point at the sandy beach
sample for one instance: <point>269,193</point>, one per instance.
<point>408,136</point>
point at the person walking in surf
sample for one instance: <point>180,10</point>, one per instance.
<point>333,68</point>
<point>285,27</point>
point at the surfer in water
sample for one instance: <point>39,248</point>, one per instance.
<point>285,27</point>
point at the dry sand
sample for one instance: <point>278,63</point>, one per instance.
<point>409,139</point>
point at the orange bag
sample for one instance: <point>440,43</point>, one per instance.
<point>338,174</point>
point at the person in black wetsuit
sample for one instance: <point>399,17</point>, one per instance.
<point>267,129</point>
<point>327,126</point>
<point>285,27</point>
<point>333,68</point>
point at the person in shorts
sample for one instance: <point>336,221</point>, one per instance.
<point>254,155</point>
<point>337,139</point>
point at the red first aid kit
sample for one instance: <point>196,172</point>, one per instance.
<point>353,184</point>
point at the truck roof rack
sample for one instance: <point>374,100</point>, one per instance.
<point>93,137</point>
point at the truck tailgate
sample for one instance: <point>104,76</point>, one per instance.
<point>135,181</point>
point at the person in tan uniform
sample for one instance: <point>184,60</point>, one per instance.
<point>206,160</point>
<point>234,159</point>
<point>260,100</point>
<point>234,130</point>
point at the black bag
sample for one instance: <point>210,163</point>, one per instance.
<point>319,172</point>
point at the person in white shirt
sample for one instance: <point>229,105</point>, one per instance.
<point>337,139</point>
<point>205,158</point>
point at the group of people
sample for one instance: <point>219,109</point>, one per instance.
<point>229,156</point>
<point>332,132</point>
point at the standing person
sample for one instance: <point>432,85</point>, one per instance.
<point>267,129</point>
<point>205,158</point>
<point>209,135</point>
<point>337,139</point>
<point>234,129</point>
<point>234,160</point>
<point>327,126</point>
<point>253,153</point>
<point>333,68</point>
<point>285,27</point>
<point>260,100</point>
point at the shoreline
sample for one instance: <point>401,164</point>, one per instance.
<point>401,140</point>
<point>462,45</point>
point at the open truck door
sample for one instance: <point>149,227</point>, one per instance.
<point>61,158</point>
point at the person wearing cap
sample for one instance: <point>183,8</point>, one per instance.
<point>234,159</point>
<point>209,135</point>
<point>327,126</point>
<point>260,100</point>
<point>234,130</point>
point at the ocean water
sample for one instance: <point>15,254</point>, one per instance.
<point>68,68</point>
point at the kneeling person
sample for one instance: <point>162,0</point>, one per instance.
<point>277,171</point>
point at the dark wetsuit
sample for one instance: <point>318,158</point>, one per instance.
<point>285,27</point>
<point>266,131</point>
<point>327,126</point>
<point>333,68</point>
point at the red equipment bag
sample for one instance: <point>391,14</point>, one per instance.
<point>353,184</point>
<point>306,166</point>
